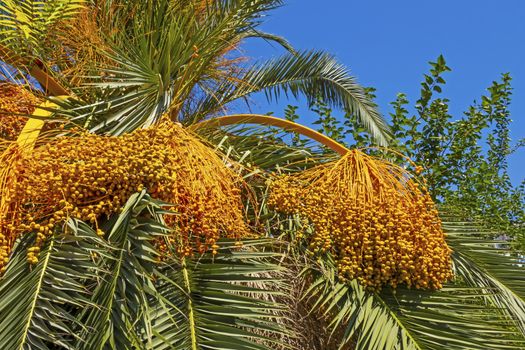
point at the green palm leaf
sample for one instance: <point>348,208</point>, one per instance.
<point>485,261</point>
<point>222,302</point>
<point>179,61</point>
<point>162,59</point>
<point>269,37</point>
<point>26,24</point>
<point>121,300</point>
<point>38,304</point>
<point>314,74</point>
<point>455,317</point>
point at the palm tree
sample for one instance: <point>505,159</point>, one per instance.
<point>173,58</point>
<point>109,284</point>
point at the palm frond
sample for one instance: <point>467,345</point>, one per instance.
<point>455,317</point>
<point>161,57</point>
<point>38,304</point>
<point>255,9</point>
<point>120,302</point>
<point>314,74</point>
<point>219,302</point>
<point>25,25</point>
<point>484,260</point>
<point>269,37</point>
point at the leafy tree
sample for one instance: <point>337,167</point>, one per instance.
<point>464,160</point>
<point>179,59</point>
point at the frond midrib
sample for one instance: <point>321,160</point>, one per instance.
<point>191,311</point>
<point>398,321</point>
<point>38,288</point>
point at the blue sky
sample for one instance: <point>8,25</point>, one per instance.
<point>387,45</point>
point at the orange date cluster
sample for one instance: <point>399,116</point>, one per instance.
<point>90,177</point>
<point>380,225</point>
<point>15,102</point>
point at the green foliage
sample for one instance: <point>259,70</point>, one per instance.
<point>481,309</point>
<point>180,58</point>
<point>348,130</point>
<point>464,159</point>
<point>223,302</point>
<point>328,123</point>
<point>114,292</point>
<point>313,74</point>
<point>25,25</point>
<point>121,303</point>
<point>488,263</point>
<point>38,304</point>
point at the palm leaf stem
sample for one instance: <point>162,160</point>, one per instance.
<point>36,69</point>
<point>37,291</point>
<point>191,314</point>
<point>272,121</point>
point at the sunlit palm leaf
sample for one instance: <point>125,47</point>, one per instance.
<point>313,74</point>
<point>38,304</point>
<point>281,41</point>
<point>121,300</point>
<point>194,77</point>
<point>484,260</point>
<point>455,317</point>
<point>26,24</point>
<point>219,302</point>
<point>162,56</point>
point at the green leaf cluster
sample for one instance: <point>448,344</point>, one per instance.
<point>113,292</point>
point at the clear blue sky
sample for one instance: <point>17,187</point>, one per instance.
<point>387,44</point>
